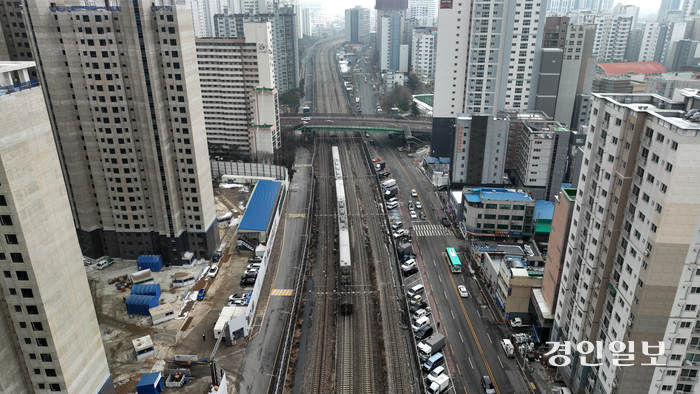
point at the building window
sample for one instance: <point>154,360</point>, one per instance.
<point>32,310</point>
<point>51,372</point>
<point>11,239</point>
<point>27,293</point>
<point>54,387</point>
<point>37,326</point>
<point>5,220</point>
<point>45,357</point>
<point>42,342</point>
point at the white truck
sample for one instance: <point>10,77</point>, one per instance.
<point>518,322</point>
<point>508,347</point>
<point>440,384</point>
<point>389,183</point>
<point>430,346</point>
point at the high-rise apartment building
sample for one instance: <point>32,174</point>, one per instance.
<point>667,6</point>
<point>124,101</point>
<point>479,149</point>
<point>225,26</point>
<point>631,254</point>
<point>389,35</point>
<point>567,6</point>
<point>612,33</point>
<point>423,52</point>
<point>620,9</point>
<point>487,51</point>
<point>235,75</point>
<point>567,69</point>
<point>425,11</point>
<point>49,337</point>
<point>653,40</point>
<point>14,41</point>
<point>356,25</point>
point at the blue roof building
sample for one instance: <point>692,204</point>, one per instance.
<point>261,210</point>
<point>497,212</point>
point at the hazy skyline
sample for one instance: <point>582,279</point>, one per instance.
<point>336,7</point>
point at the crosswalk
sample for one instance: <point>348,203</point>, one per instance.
<point>431,230</point>
<point>297,215</point>
<point>282,292</point>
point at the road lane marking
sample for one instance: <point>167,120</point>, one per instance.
<point>501,362</point>
<point>460,336</point>
<point>487,334</point>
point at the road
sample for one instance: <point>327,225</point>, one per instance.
<point>472,334</point>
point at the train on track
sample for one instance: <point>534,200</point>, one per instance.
<point>345,264</point>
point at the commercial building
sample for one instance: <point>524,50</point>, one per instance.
<point>479,149</point>
<point>124,100</point>
<point>498,212</point>
<point>356,25</point>
<point>238,90</point>
<point>487,52</point>
<point>425,11</point>
<point>631,255</point>
<point>48,327</point>
<point>390,16</point>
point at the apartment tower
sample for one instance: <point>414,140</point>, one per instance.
<point>356,25</point>
<point>631,254</point>
<point>238,90</point>
<point>49,337</point>
<point>487,51</point>
<point>122,91</point>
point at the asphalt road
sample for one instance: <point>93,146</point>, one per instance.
<point>472,335</point>
<point>262,350</point>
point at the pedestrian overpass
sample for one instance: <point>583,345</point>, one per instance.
<point>405,131</point>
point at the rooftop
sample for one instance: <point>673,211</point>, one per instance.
<point>260,206</point>
<point>659,106</point>
<point>570,194</point>
<point>479,195</point>
<point>633,68</point>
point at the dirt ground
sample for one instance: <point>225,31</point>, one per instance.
<point>118,328</point>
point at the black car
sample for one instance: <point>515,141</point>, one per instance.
<point>247,281</point>
<point>423,333</point>
<point>409,272</point>
<point>418,306</point>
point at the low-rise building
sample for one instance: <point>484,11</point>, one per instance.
<point>494,212</point>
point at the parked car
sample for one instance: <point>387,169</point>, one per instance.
<point>416,299</point>
<point>400,233</point>
<point>423,333</point>
<point>247,281</point>
<point>213,271</point>
<point>200,294</point>
<point>238,297</point>
<point>418,306</point>
<point>463,291</point>
<point>409,272</point>
<point>253,265</point>
<point>255,259</point>
<point>397,225</point>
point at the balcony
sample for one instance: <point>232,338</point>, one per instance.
<point>632,196</point>
<point>637,178</point>
<point>645,140</point>
<point>641,159</point>
<point>620,248</point>
<point>687,379</point>
<point>628,215</point>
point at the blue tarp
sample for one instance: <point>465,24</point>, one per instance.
<point>150,383</point>
<point>140,304</point>
<point>152,261</point>
<point>544,210</point>
<point>260,207</point>
<point>150,289</point>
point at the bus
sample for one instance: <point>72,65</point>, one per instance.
<point>455,264</point>
<point>306,113</point>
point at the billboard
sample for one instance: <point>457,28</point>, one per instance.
<point>446,4</point>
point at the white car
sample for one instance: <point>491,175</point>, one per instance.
<point>418,205</point>
<point>253,265</point>
<point>462,291</point>
<point>400,233</point>
<point>414,215</point>
<point>416,299</point>
<point>413,193</point>
<point>213,271</point>
<point>329,121</point>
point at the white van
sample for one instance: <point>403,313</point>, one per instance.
<point>508,347</point>
<point>420,313</point>
<point>435,373</point>
<point>392,205</point>
<point>417,289</point>
<point>389,183</point>
<point>420,323</point>
<point>104,264</point>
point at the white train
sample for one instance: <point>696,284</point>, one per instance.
<point>345,264</point>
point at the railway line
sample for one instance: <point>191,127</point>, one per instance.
<point>329,92</point>
<point>364,348</point>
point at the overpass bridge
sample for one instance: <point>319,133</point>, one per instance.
<point>311,127</point>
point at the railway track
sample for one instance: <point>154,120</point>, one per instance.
<point>329,92</point>
<point>322,328</point>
